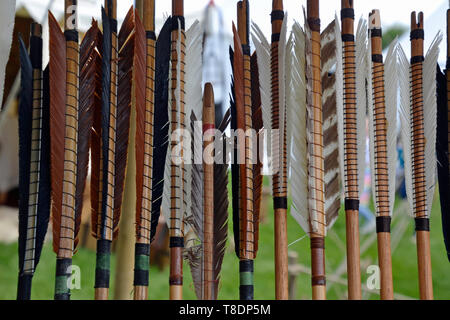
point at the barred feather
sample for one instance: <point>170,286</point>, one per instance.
<point>330,127</point>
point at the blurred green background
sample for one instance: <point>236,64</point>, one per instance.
<point>403,255</point>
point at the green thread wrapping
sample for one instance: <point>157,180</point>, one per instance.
<point>103,261</point>
<point>141,262</point>
<point>61,284</point>
<point>246,278</point>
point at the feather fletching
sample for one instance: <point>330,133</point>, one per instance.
<point>57,122</point>
<point>161,124</point>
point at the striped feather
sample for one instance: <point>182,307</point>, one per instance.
<point>339,76</point>
<point>330,125</point>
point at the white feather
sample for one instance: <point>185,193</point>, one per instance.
<point>297,107</point>
<point>340,99</point>
<point>430,114</point>
<point>363,96</point>
<point>371,107</point>
<point>194,104</point>
<point>405,119</point>
<point>263,54</point>
<point>7,14</point>
<point>282,78</point>
<point>391,94</point>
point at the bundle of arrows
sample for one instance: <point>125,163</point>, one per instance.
<point>153,120</point>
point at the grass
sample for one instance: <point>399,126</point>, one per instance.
<point>404,264</point>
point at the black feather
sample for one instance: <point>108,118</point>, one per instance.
<point>44,173</point>
<point>161,124</point>
<point>25,120</point>
<point>234,166</point>
<point>442,155</point>
<point>106,101</point>
<point>25,145</point>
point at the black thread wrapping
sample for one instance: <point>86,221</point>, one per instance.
<point>275,37</point>
<point>141,278</point>
<point>417,34</point>
<point>280,202</point>
<point>150,35</point>
<point>377,58</point>
<point>314,24</point>
<point>246,292</point>
<point>347,13</point>
<point>246,49</point>
<point>318,281</point>
<point>422,224</point>
<point>417,59</point>
<point>376,33</point>
<point>104,246</point>
<point>176,242</point>
<point>383,224</point>
<point>348,37</point>
<point>175,20</point>
<point>142,249</point>
<point>351,204</point>
<point>63,266</point>
<point>102,278</point>
<point>71,35</point>
<point>36,52</point>
<point>276,15</point>
<point>317,243</point>
<point>246,266</point>
<point>102,275</point>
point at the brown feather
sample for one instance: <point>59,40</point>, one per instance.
<point>257,126</point>
<point>124,93</point>
<point>57,122</point>
<point>238,69</point>
<point>89,102</point>
<point>220,208</point>
<point>140,75</point>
